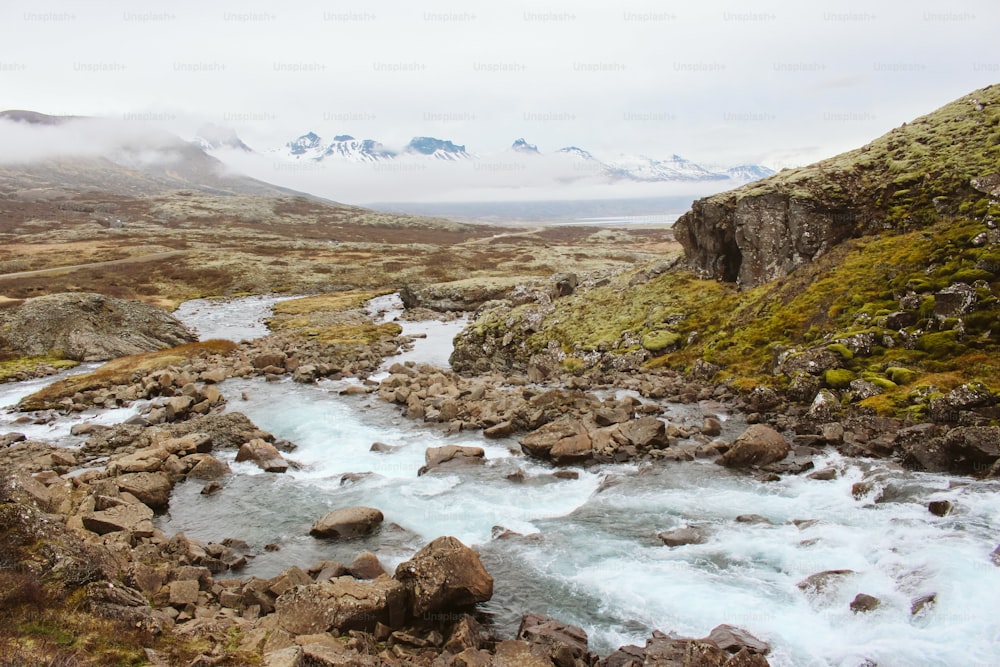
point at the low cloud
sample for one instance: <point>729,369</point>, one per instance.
<point>134,144</point>
<point>502,177</point>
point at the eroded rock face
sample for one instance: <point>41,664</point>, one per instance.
<point>92,327</point>
<point>755,239</point>
<point>455,296</point>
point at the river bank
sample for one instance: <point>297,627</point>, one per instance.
<point>596,545</point>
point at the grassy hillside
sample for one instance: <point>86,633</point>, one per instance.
<point>911,176</point>
<point>891,318</point>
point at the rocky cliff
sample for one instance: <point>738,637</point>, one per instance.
<point>89,327</point>
<point>912,177</point>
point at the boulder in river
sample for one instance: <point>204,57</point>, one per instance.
<point>451,455</point>
<point>264,454</point>
<point>863,603</point>
<point>682,536</point>
<point>563,441</point>
<point>445,575</point>
<point>347,523</point>
<point>822,581</point>
<point>757,446</point>
<point>645,432</point>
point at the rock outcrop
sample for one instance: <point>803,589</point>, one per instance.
<point>752,239</point>
<point>91,327</point>
<point>766,229</point>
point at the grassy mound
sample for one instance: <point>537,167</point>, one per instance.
<point>333,319</point>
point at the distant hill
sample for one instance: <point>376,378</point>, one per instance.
<point>74,154</point>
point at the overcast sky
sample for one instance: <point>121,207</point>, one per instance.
<point>780,83</point>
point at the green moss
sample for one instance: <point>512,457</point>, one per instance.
<point>883,405</point>
<point>900,375</point>
<point>941,345</point>
<point>838,378</point>
<point>660,341</point>
<point>883,383</point>
<point>55,634</point>
<point>844,352</point>
<point>971,275</point>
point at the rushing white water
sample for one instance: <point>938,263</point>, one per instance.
<point>435,336</point>
<point>588,554</point>
<point>49,427</point>
<point>228,319</point>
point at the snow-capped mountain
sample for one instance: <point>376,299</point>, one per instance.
<point>522,146</point>
<point>749,172</point>
<point>675,168</point>
<point>439,149</point>
<point>567,164</point>
<point>643,169</point>
<point>578,153</point>
<point>310,146</point>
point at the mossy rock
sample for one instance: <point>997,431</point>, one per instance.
<point>660,341</point>
<point>22,367</point>
<point>941,345</point>
<point>845,352</point>
<point>885,384</point>
<point>838,378</point>
<point>900,375</point>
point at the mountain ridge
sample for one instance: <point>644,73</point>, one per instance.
<point>632,168</point>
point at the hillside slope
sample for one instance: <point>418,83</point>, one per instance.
<point>870,279</point>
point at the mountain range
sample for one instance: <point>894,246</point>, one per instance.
<point>571,160</point>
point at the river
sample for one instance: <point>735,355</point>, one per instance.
<point>585,550</point>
